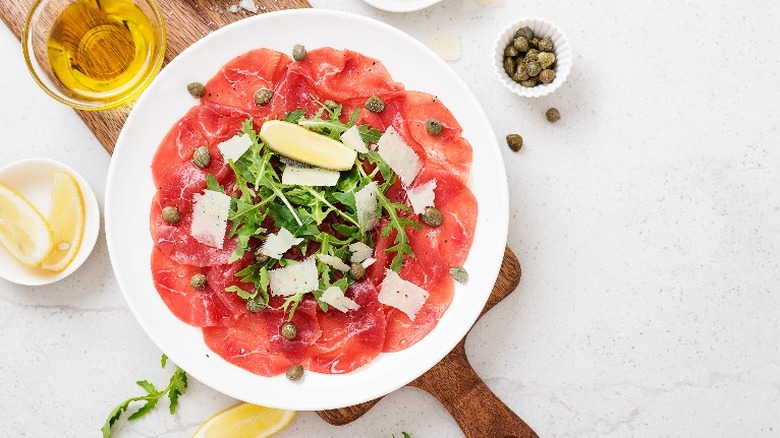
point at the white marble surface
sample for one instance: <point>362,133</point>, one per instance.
<point>647,222</point>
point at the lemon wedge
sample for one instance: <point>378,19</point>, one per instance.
<point>245,420</point>
<point>23,230</point>
<point>66,218</point>
<point>300,144</point>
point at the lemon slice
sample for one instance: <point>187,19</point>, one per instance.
<point>245,420</point>
<point>66,218</point>
<point>23,230</point>
<point>300,144</point>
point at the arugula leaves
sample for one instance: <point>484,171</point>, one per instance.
<point>176,387</point>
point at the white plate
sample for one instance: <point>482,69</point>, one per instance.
<point>401,5</point>
<point>33,178</point>
<point>130,190</point>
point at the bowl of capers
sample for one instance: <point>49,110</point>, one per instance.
<point>532,57</point>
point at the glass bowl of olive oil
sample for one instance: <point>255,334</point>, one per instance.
<point>94,54</point>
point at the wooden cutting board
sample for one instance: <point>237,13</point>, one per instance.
<point>477,410</point>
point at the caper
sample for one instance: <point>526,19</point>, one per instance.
<point>511,51</point>
<point>196,89</point>
<point>545,44</point>
<point>201,157</point>
<point>198,281</point>
<point>525,32</point>
<point>459,274</point>
<point>552,115</point>
<point>529,83</point>
<point>534,42</point>
<point>289,330</point>
<point>299,52</point>
<point>375,104</point>
<point>295,372</point>
<point>254,305</point>
<point>331,105</point>
<point>432,217</point>
<point>533,68</point>
<point>263,96</point>
<point>260,257</point>
<point>170,214</point>
<point>509,66</point>
<point>521,44</point>
<point>433,126</point>
<point>531,55</point>
<point>547,76</point>
<point>521,73</point>
<point>545,59</point>
<point>515,141</point>
<point>357,271</point>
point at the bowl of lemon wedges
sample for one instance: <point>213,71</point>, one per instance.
<point>49,221</point>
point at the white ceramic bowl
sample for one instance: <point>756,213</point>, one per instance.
<point>561,49</point>
<point>32,178</point>
<point>401,5</point>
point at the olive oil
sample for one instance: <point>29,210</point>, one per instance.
<point>101,49</point>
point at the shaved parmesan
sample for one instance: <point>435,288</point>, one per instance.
<point>209,218</point>
<point>234,147</point>
<point>401,294</point>
<point>309,176</point>
<point>334,262</point>
<point>368,262</point>
<point>366,203</point>
<point>298,278</point>
<point>399,156</point>
<point>422,196</point>
<point>277,244</point>
<point>360,252</point>
<point>351,138</point>
<point>335,297</point>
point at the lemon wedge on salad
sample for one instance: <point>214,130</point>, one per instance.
<point>245,420</point>
<point>66,219</point>
<point>23,230</point>
<point>298,143</point>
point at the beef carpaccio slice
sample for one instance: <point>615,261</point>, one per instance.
<point>330,342</point>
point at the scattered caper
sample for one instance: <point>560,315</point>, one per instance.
<point>357,271</point>
<point>263,96</point>
<point>433,126</point>
<point>546,44</point>
<point>254,305</point>
<point>289,330</point>
<point>201,157</point>
<point>299,52</point>
<point>196,89</point>
<point>521,44</point>
<point>511,51</point>
<point>515,141</point>
<point>295,372</point>
<point>529,83</point>
<point>509,66</point>
<point>547,76</point>
<point>170,214</point>
<point>432,217</point>
<point>260,257</point>
<point>553,115</point>
<point>331,105</point>
<point>545,59</point>
<point>459,274</point>
<point>533,68</point>
<point>198,281</point>
<point>525,32</point>
<point>375,104</point>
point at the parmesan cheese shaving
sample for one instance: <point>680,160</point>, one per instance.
<point>298,278</point>
<point>277,244</point>
<point>334,262</point>
<point>360,252</point>
<point>422,196</point>
<point>335,297</point>
<point>366,203</point>
<point>368,262</point>
<point>351,138</point>
<point>311,176</point>
<point>234,147</point>
<point>401,294</point>
<point>209,218</point>
<point>399,156</point>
